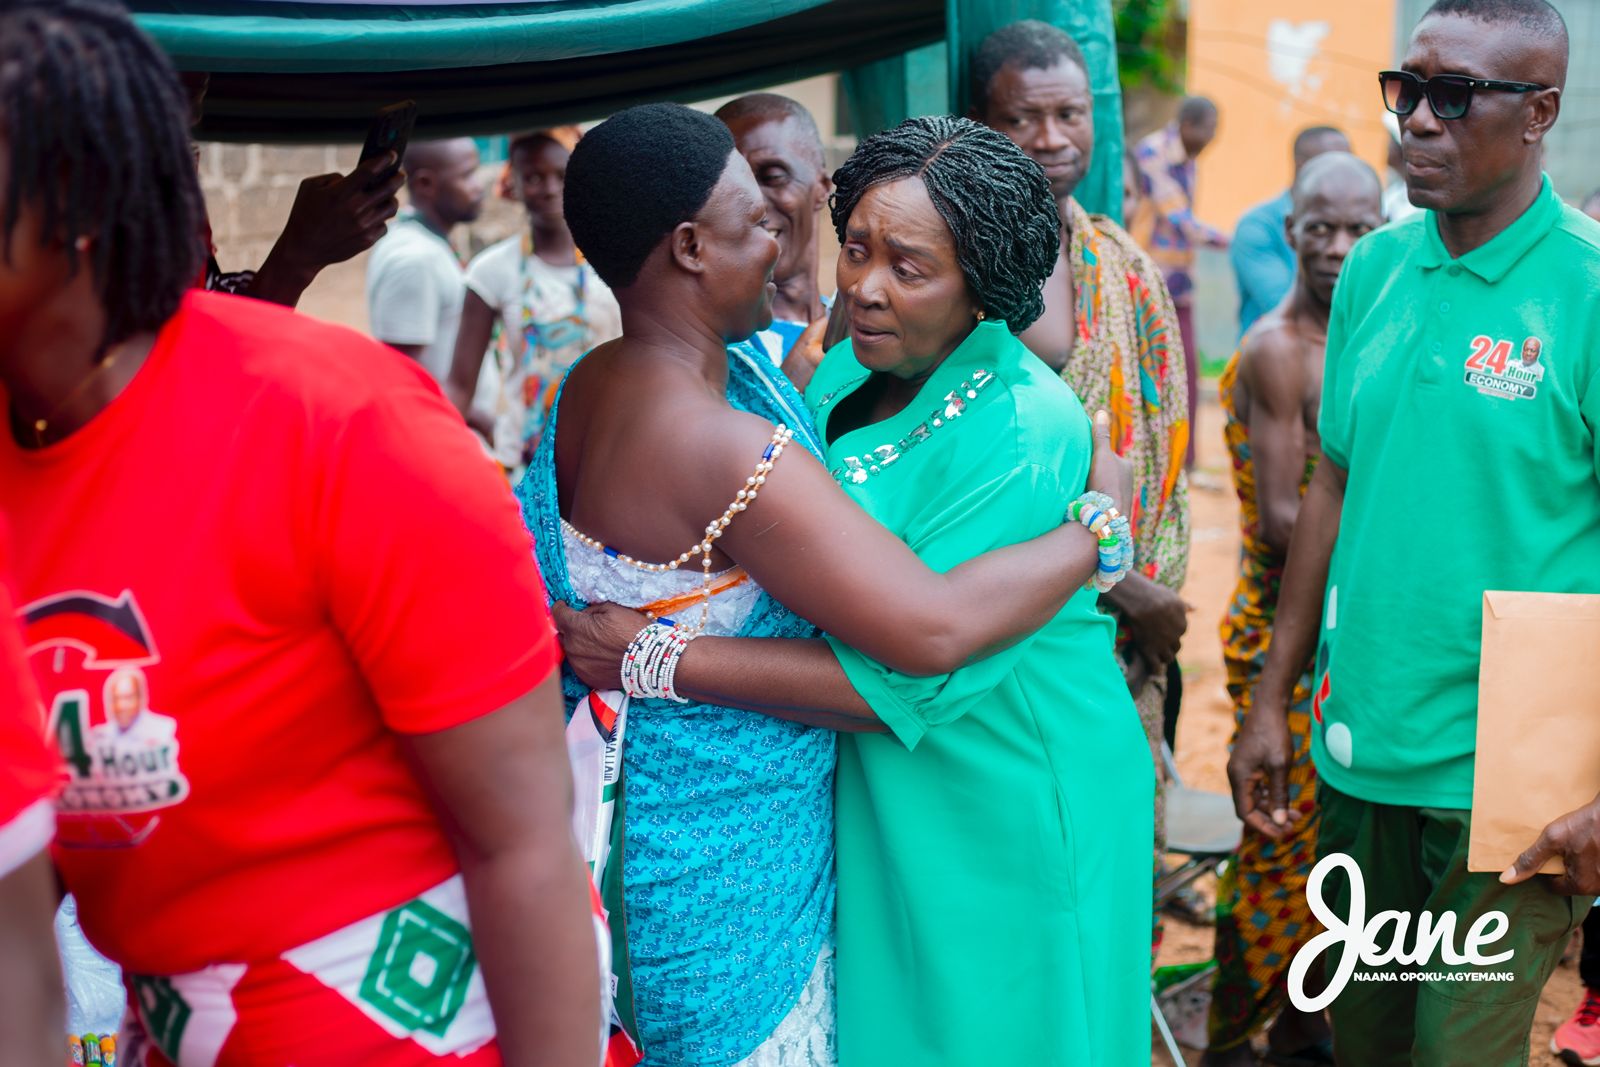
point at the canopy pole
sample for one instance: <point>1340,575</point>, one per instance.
<point>878,95</point>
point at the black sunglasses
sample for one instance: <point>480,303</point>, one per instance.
<point>1448,94</point>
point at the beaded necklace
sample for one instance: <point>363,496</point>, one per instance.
<point>746,496</point>
<point>563,332</point>
<point>846,387</point>
<point>857,469</point>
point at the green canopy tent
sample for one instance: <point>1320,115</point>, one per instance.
<point>315,72</point>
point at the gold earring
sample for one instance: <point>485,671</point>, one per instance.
<point>980,316</point>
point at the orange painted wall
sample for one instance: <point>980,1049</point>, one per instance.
<point>1275,67</point>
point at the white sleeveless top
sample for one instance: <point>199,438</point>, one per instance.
<point>598,577</point>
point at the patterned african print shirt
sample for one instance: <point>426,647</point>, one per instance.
<point>1168,176</point>
<point>1128,359</point>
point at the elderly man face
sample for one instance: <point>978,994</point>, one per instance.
<point>1048,113</point>
<point>125,697</point>
<point>1530,351</point>
<point>788,165</point>
<point>1337,201</point>
<point>1466,165</point>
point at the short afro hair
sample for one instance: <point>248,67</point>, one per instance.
<point>1312,134</point>
<point>995,200</point>
<point>1028,44</point>
<point>1334,167</point>
<point>1535,16</point>
<point>635,177</point>
<point>1196,109</point>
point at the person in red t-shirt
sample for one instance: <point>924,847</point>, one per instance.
<point>284,619</point>
<point>32,1015</point>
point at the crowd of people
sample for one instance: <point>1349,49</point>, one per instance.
<point>634,652</point>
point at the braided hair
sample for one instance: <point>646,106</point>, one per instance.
<point>995,200</point>
<point>97,128</point>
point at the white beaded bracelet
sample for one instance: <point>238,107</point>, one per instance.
<point>650,664</point>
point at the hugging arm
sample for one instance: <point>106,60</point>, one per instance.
<point>818,553</point>
<point>834,685</point>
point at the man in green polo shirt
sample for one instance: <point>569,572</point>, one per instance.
<point>1458,421</point>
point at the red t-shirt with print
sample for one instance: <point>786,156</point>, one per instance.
<point>27,767</point>
<point>275,552</point>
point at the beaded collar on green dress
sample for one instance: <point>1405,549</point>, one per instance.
<point>986,347</point>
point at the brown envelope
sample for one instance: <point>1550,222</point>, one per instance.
<point>1538,721</point>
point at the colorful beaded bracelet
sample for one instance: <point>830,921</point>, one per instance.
<point>1114,536</point>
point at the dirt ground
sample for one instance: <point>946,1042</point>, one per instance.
<point>1206,722</point>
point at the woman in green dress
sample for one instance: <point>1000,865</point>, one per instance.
<point>994,824</point>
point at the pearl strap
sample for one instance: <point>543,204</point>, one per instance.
<point>745,497</point>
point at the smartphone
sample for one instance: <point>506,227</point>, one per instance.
<point>389,132</point>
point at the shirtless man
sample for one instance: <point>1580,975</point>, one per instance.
<point>1270,396</point>
<point>1280,363</point>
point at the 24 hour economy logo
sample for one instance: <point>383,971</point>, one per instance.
<point>1496,368</point>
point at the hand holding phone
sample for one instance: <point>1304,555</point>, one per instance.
<point>390,132</point>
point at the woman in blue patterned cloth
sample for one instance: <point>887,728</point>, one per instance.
<point>658,447</point>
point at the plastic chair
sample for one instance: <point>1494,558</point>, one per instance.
<point>1203,829</point>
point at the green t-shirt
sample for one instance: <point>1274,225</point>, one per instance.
<point>994,847</point>
<point>1461,397</point>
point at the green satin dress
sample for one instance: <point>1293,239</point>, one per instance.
<point>994,845</point>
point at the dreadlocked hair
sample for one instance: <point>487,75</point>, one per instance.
<point>995,200</point>
<point>97,127</point>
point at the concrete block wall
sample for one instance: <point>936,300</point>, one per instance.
<point>249,190</point>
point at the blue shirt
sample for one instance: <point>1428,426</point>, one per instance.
<point>1263,262</point>
<point>777,340</point>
